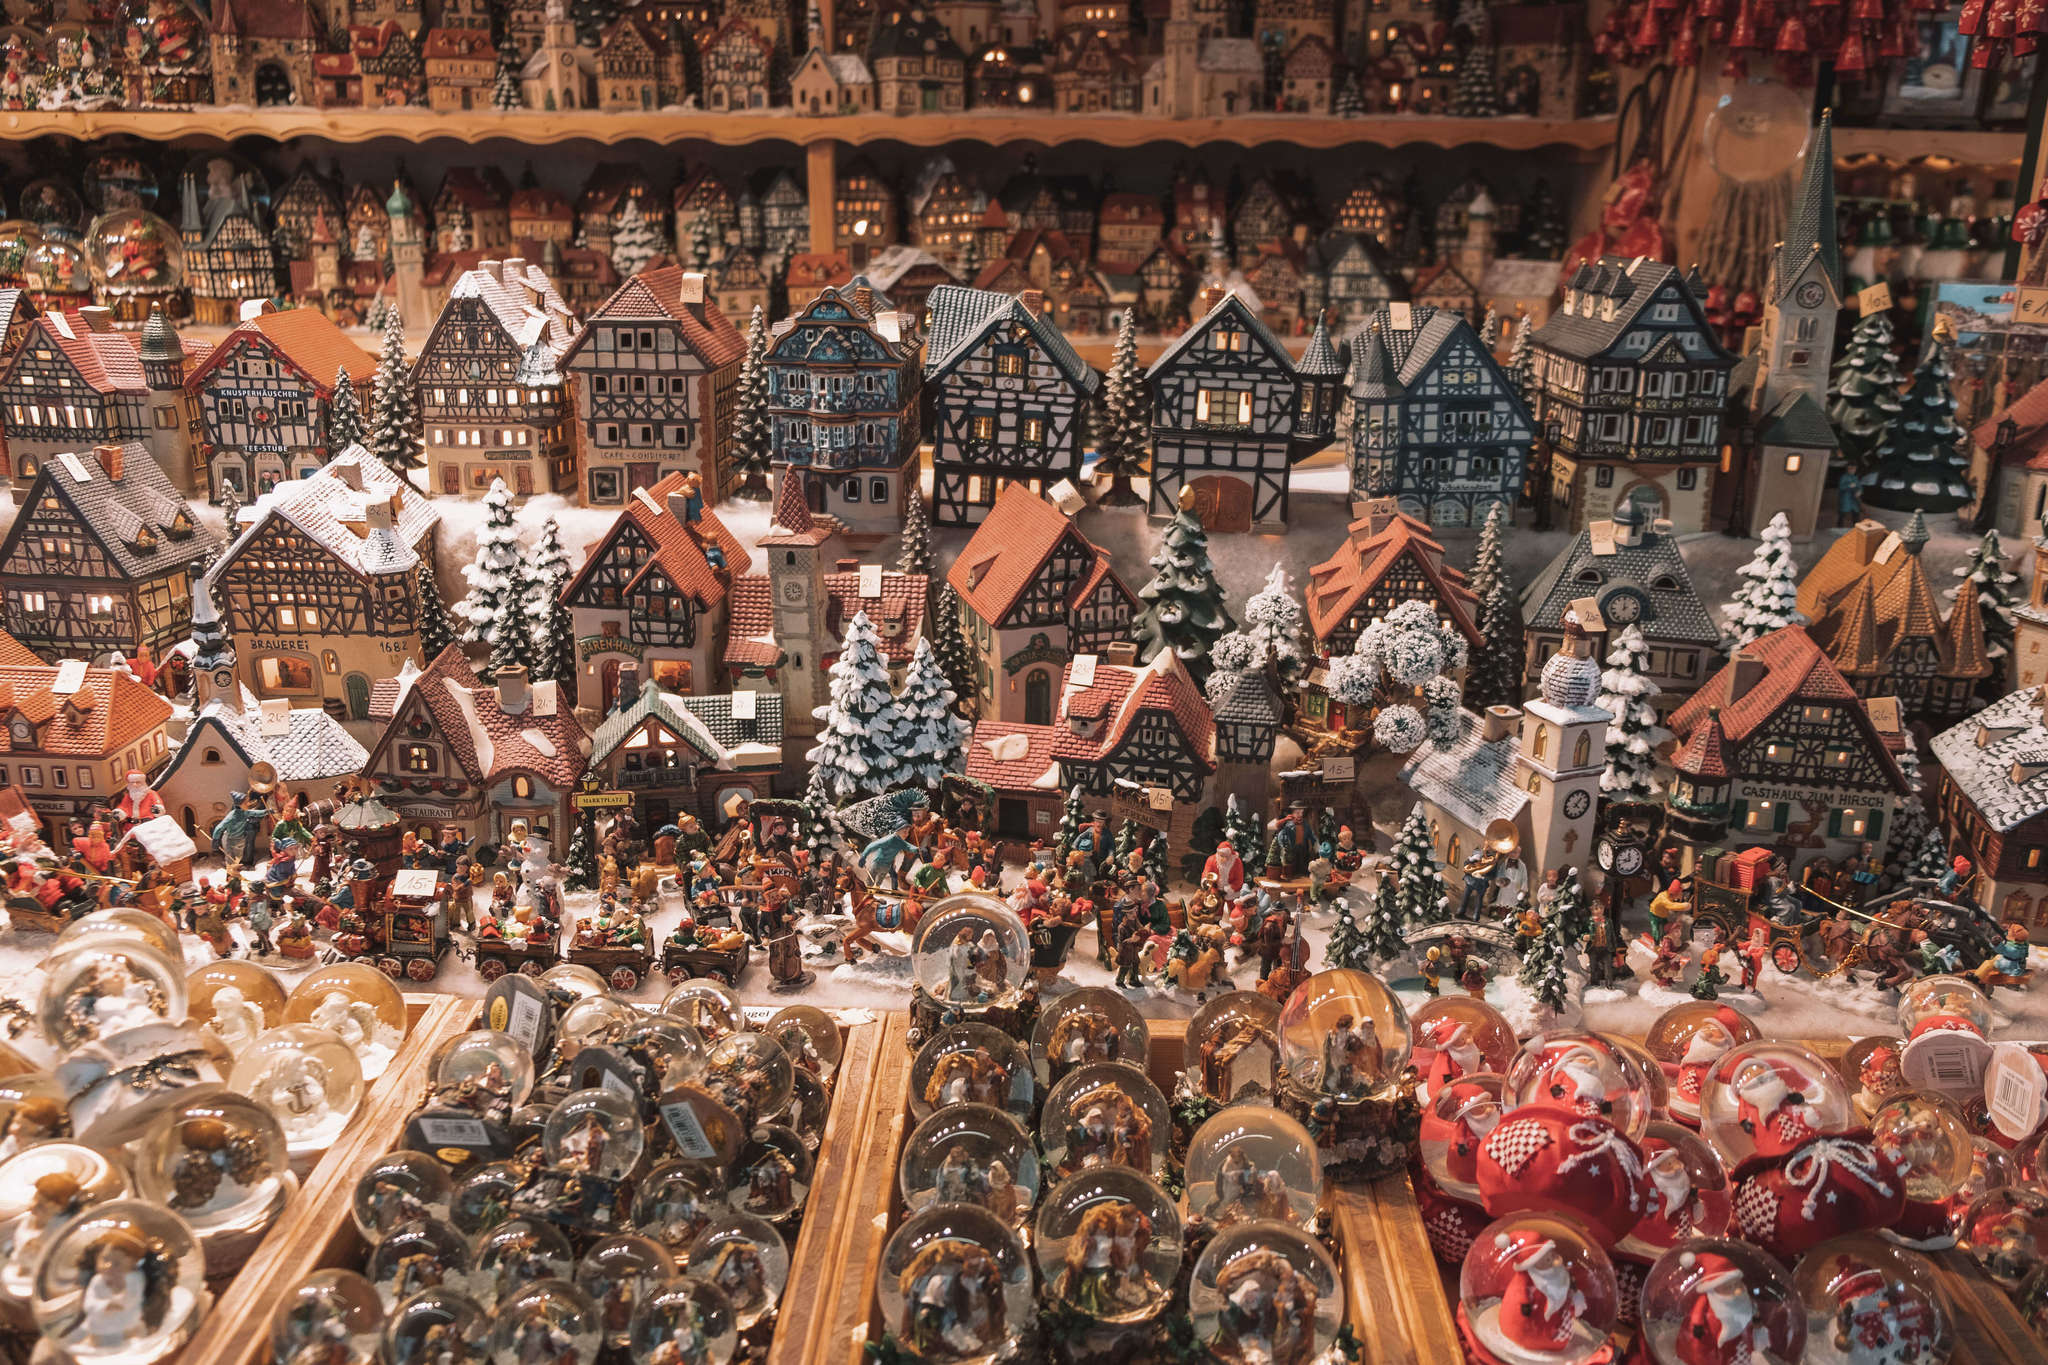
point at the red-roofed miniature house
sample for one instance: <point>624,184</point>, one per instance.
<point>70,734</point>
<point>263,396</point>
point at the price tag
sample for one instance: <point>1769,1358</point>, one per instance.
<point>1340,770</point>
<point>2015,1088</point>
<point>455,1132</point>
<point>617,1084</point>
<point>1876,299</point>
<point>688,1132</point>
<point>2030,304</point>
<point>1948,1060</point>
<point>526,1020</point>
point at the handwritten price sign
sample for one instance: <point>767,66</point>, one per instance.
<point>2031,305</point>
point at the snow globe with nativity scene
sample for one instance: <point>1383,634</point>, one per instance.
<point>1344,1049</point>
<point>972,962</point>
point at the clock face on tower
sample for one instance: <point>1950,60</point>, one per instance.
<point>1810,294</point>
<point>792,592</point>
<point>1628,860</point>
<point>1622,607</point>
<point>1575,805</point>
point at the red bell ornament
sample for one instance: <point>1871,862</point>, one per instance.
<point>1792,35</point>
<point>1685,48</point>
<point>1849,57</point>
<point>1710,9</point>
<point>1743,35</point>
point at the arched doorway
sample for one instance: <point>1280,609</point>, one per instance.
<point>190,823</point>
<point>358,688</point>
<point>611,685</point>
<point>273,84</point>
<point>1222,503</point>
<point>1038,697</point>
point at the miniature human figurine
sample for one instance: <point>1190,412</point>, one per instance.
<point>1671,960</point>
<point>953,1301</point>
<point>139,801</point>
<point>1133,939</point>
<point>1105,1273</point>
<point>1227,868</point>
<point>1671,905</point>
<point>55,1200</point>
<point>236,1021</point>
<point>234,835</point>
<point>1777,1117</point>
<point>118,1301</point>
<point>1707,985</point>
<point>1954,884</point>
<point>1353,1058</point>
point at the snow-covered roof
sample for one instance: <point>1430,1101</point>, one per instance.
<point>1471,777</point>
<point>1998,759</point>
<point>311,747</point>
<point>331,507</point>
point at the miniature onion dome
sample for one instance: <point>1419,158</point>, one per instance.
<point>1320,359</point>
<point>1571,678</point>
<point>160,339</point>
<point>1915,536</point>
<point>399,205</point>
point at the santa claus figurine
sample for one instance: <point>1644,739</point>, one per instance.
<point>1540,1160</point>
<point>1680,1206</point>
<point>1771,1107</point>
<point>1541,1308</point>
<point>1709,1043</point>
<point>1445,1052</point>
<point>1227,868</point>
<point>139,801</point>
<point>1720,1324</point>
<point>1576,1080</point>
<point>1456,1125</point>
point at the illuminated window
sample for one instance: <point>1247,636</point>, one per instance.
<point>522,787</point>
<point>416,758</point>
<point>1793,462</point>
<point>99,605</point>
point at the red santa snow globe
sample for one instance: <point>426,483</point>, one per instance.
<point>1458,1035</point>
<point>2006,1233</point>
<point>1765,1098</point>
<point>1718,1302</point>
<point>1947,1022</point>
<point>1586,1074</point>
<point>1871,1303</point>
<point>1686,1040</point>
<point>1992,1167</point>
<point>1455,1126</point>
<point>1872,1068</point>
<point>1537,1290</point>
<point>1925,1138</point>
<point>1688,1193</point>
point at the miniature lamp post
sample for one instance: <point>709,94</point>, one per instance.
<point>2002,441</point>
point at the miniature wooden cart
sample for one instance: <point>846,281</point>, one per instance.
<point>713,964</point>
<point>529,956</point>
<point>622,967</point>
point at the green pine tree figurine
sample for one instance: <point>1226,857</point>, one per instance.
<point>1495,678</point>
<point>752,443</point>
<point>394,409</point>
<point>437,627</point>
<point>1863,392</point>
<point>1421,894</point>
<point>1184,608</point>
<point>344,415</point>
<point>1123,426</point>
<point>1923,462</point>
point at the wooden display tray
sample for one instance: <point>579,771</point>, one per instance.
<point>1385,1263</point>
<point>317,1229</point>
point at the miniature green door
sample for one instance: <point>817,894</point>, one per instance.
<point>358,688</point>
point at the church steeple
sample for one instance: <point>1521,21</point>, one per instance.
<point>1810,228</point>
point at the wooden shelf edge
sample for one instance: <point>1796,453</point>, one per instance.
<point>864,1224</point>
<point>1912,144</point>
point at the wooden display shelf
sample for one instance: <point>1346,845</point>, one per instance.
<point>1966,147</point>
<point>990,128</point>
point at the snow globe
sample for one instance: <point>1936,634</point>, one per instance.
<point>358,1002</point>
<point>1264,1293</point>
<point>1766,1098</point>
<point>1344,1044</point>
<point>1926,1138</point>
<point>1947,1022</point>
<point>137,261</point>
<point>954,1284</point>
<point>1233,1048</point>
<point>1458,1035</point>
<point>42,1190</point>
<point>971,1154</point>
<point>709,1007</point>
<point>594,1132</point>
<point>1455,1124</point>
<point>1092,1024</point>
<point>120,922</point>
<point>971,957</point>
<point>235,1001</point>
<point>482,1197</point>
<point>1686,1040</point>
<point>399,1187</point>
<point>1104,1113</point>
<point>973,1064</point>
<point>547,1320</point>
<point>422,1254</point>
<point>309,1079</point>
<point>810,1038</point>
<point>1721,1302</point>
<point>2005,1232</point>
<point>688,1317</point>
<point>332,1317</point>
<point>1873,1070</point>
<point>1868,1300</point>
<point>118,178</point>
<point>746,1257</point>
<point>574,980</point>
<point>1250,1161</point>
<point>809,1102</point>
<point>1084,1236</point>
<point>618,1273</point>
<point>53,206</point>
<point>482,1069</point>
<point>1688,1193</point>
<point>57,273</point>
<point>1582,1074</point>
<point>107,986</point>
<point>750,1074</point>
<point>677,1200</point>
<point>773,1176</point>
<point>17,238</point>
<point>220,1163</point>
<point>593,1020</point>
<point>1536,1290</point>
<point>31,1111</point>
<point>123,1283</point>
<point>1637,1059</point>
<point>670,1049</point>
<point>1992,1167</point>
<point>440,1326</point>
<point>518,1252</point>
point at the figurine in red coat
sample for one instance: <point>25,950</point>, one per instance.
<point>1227,868</point>
<point>1720,1325</point>
<point>1541,1307</point>
<point>139,801</point>
<point>1772,1107</point>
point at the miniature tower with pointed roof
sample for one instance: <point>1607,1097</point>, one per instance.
<point>1563,746</point>
<point>797,549</point>
<point>163,369</point>
<point>408,258</point>
<point>213,650</point>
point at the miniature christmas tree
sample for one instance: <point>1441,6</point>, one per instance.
<point>817,803</point>
<point>1910,823</point>
<point>1241,828</point>
<point>507,94</point>
<point>553,632</point>
<point>1273,628</point>
<point>914,553</point>
<point>498,587</point>
<point>949,641</point>
<point>1923,462</point>
<point>1769,596</point>
<point>1072,817</point>
<point>752,446</point>
<point>1382,935</point>
<point>1404,662</point>
<point>929,740</point>
<point>854,749</point>
<point>1572,909</point>
<point>1634,734</point>
<point>1495,678</point>
<point>437,628</point>
<point>1930,859</point>
<point>1543,964</point>
<point>1350,102</point>
<point>579,860</point>
<point>1418,876</point>
<point>1489,329</point>
<point>636,241</point>
<point>1521,366</point>
<point>394,407</point>
<point>1987,574</point>
<point>1477,93</point>
<point>1123,435</point>
<point>1184,608</point>
<point>700,241</point>
<point>1347,947</point>
<point>344,415</point>
<point>1863,392</point>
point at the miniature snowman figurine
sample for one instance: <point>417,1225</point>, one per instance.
<point>1775,1115</point>
<point>236,1022</point>
<point>1720,1326</point>
<point>1541,1307</point>
<point>112,1304</point>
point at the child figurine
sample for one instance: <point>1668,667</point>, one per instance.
<point>1707,985</point>
<point>124,1298</point>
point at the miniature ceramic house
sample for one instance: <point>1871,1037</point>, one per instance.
<point>682,755</point>
<point>1358,277</point>
<point>1224,402</point>
<point>863,209</point>
<point>560,73</point>
<point>263,51</point>
<point>472,211</point>
<point>737,65</point>
<point>705,195</point>
<point>807,274</point>
<point>2023,479</point>
<point>918,67</point>
<point>826,83</point>
<point>1989,803</point>
<point>73,734</point>
<point>637,68</point>
<point>263,396</point>
<point>461,67</point>
<point>228,256</point>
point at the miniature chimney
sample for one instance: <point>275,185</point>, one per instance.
<point>495,269</point>
<point>1032,299</point>
<point>377,514</point>
<point>350,473</point>
<point>1122,653</point>
<point>864,298</point>
<point>692,293</point>
<point>97,318</point>
<point>514,270</point>
<point>513,691</point>
<point>109,456</point>
<point>679,507</point>
<point>1745,671</point>
<point>1500,722</point>
<point>846,566</point>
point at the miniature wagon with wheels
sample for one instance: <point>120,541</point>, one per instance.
<point>528,956</point>
<point>622,968</point>
<point>722,965</point>
<point>414,944</point>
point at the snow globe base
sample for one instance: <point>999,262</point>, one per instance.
<point>1485,1343</point>
<point>1015,1012</point>
<point>1358,1139</point>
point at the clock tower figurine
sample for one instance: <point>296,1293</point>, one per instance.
<point>795,547</point>
<point>1564,746</point>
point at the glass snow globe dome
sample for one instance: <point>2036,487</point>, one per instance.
<point>332,1316</point>
<point>809,1036</point>
<point>1536,1288</point>
<point>1584,1074</point>
<point>955,1284</point>
<point>746,1257</point>
<point>1108,1245</point>
<point>221,179</point>
<point>41,1190</point>
<point>218,1162</point>
<point>677,1200</point>
<point>1928,1139</point>
<point>133,253</point>
<point>618,1273</point>
<point>970,950</point>
<point>397,1188</point>
<point>418,1255</point>
<point>750,1074</point>
<point>358,1002</point>
<point>482,1197</point>
<point>2005,1231</point>
<point>1105,1114</point>
<point>1948,999</point>
<point>1455,1125</point>
<point>597,1132</point>
<point>1766,1098</point>
<point>119,178</point>
<point>121,1285</point>
<point>1867,1300</point>
<point>973,1063</point>
<point>308,1077</point>
<point>688,1316</point>
<point>594,1020</point>
<point>438,1326</point>
<point>1233,1046</point>
<point>1686,1040</point>
<point>1344,1034</point>
<point>102,987</point>
<point>1265,1293</point>
<point>32,1109</point>
<point>712,1009</point>
<point>971,1154</point>
<point>1092,1024</point>
<point>548,1320</point>
<point>17,238</point>
<point>518,1252</point>
<point>672,1050</point>
<point>120,922</point>
<point>1251,1161</point>
<point>1459,1035</point>
<point>772,1178</point>
<point>485,1058</point>
<point>235,1001</point>
<point>1746,1295</point>
<point>53,206</point>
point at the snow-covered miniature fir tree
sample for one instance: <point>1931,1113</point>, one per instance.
<point>1930,859</point>
<point>1184,608</point>
<point>914,552</point>
<point>507,94</point>
<point>949,641</point>
<point>1986,572</point>
<point>636,241</point>
<point>1768,598</point>
<point>1123,432</point>
<point>1863,392</point>
<point>752,448</point>
<point>1382,933</point>
<point>854,749</point>
<point>1634,734</point>
<point>1923,462</point>
<point>1477,93</point>
<point>1418,876</point>
<point>1406,659</point>
<point>1273,626</point>
<point>457,230</point>
<point>1350,102</point>
<point>929,739</point>
<point>1241,828</point>
<point>344,415</point>
<point>1573,908</point>
<point>1521,366</point>
<point>1910,823</point>
<point>700,241</point>
<point>579,860</point>
<point>817,803</point>
<point>1347,946</point>
<point>1489,329</point>
<point>394,407</point>
<point>1543,964</point>
<point>552,631</point>
<point>437,627</point>
<point>1495,677</point>
<point>1073,815</point>
<point>495,607</point>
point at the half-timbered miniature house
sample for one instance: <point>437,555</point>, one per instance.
<point>1320,372</point>
<point>1359,281</point>
<point>1993,807</point>
<point>653,592</point>
<point>100,558</point>
<point>908,274</point>
<point>70,735</point>
<point>1808,773</point>
<point>655,374</point>
<point>635,68</point>
<point>1004,75</point>
<point>489,385</point>
<point>18,313</point>
<point>807,274</point>
<point>918,67</point>
<point>683,755</point>
<point>1006,394</point>
<point>263,395</point>
<point>461,66</point>
<point>1033,594</point>
<point>863,209</point>
<point>472,210</point>
<point>228,254</point>
<point>704,194</point>
<point>738,284</point>
<point>388,61</point>
<point>456,751</point>
<point>1223,410</point>
<point>320,589</point>
<point>737,65</point>
<point>1096,70</point>
<point>305,197</point>
<point>844,381</point>
<point>785,214</point>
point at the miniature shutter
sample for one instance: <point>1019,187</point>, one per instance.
<point>1835,823</point>
<point>1738,815</point>
<point>1782,812</point>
